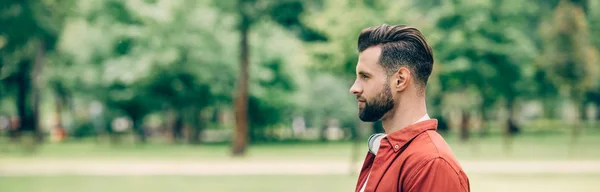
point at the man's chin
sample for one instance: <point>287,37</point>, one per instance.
<point>368,118</point>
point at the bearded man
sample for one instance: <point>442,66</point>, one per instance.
<point>393,67</point>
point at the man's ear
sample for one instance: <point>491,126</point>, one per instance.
<point>403,77</point>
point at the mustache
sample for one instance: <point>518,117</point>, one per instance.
<point>361,99</point>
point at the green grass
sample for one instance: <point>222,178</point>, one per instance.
<point>297,183</point>
<point>534,182</point>
<point>177,183</point>
<point>523,147</point>
<point>538,147</point>
<point>529,147</point>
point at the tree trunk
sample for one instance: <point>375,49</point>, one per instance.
<point>59,131</point>
<point>443,127</point>
<point>168,124</point>
<point>323,130</point>
<point>511,128</point>
<point>577,126</point>
<point>23,96</point>
<point>483,130</point>
<point>139,129</point>
<point>215,116</point>
<point>35,89</point>
<point>26,100</point>
<point>197,126</point>
<point>582,108</point>
<point>598,111</point>
<point>240,139</point>
<point>25,106</point>
<point>464,126</point>
<point>177,131</point>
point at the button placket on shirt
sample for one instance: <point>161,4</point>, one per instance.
<point>383,151</point>
<point>383,154</point>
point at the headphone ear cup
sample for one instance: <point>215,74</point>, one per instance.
<point>374,142</point>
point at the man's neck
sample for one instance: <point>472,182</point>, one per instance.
<point>405,115</point>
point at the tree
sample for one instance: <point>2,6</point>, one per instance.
<point>135,62</point>
<point>568,58</point>
<point>249,13</point>
<point>34,28</point>
<point>594,29</point>
<point>491,59</point>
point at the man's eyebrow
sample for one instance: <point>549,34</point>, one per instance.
<point>363,73</point>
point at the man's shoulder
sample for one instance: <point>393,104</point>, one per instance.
<point>429,146</point>
<point>426,160</point>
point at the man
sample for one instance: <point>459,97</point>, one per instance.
<point>392,72</point>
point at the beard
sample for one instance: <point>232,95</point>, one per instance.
<point>375,108</point>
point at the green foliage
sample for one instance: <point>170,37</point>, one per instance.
<point>142,57</point>
<point>328,97</point>
<point>568,58</point>
<point>594,22</point>
<point>32,24</point>
<point>142,61</point>
<point>31,20</point>
<point>484,48</point>
<point>341,21</point>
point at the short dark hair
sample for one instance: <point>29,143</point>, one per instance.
<point>401,45</point>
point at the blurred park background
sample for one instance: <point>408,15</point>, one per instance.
<point>252,95</point>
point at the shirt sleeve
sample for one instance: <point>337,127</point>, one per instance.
<point>437,175</point>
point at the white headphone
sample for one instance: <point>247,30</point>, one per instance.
<point>374,142</point>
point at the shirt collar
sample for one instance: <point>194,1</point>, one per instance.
<point>402,136</point>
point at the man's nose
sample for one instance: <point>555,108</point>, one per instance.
<point>355,89</point>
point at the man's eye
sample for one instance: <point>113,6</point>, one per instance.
<point>364,77</point>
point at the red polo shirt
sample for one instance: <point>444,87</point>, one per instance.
<point>415,158</point>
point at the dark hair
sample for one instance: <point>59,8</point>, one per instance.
<point>401,45</point>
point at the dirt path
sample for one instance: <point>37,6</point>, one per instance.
<point>120,167</point>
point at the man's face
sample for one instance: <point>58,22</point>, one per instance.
<point>371,86</point>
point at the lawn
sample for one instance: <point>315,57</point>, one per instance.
<point>329,183</point>
<point>524,147</point>
<point>536,147</point>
